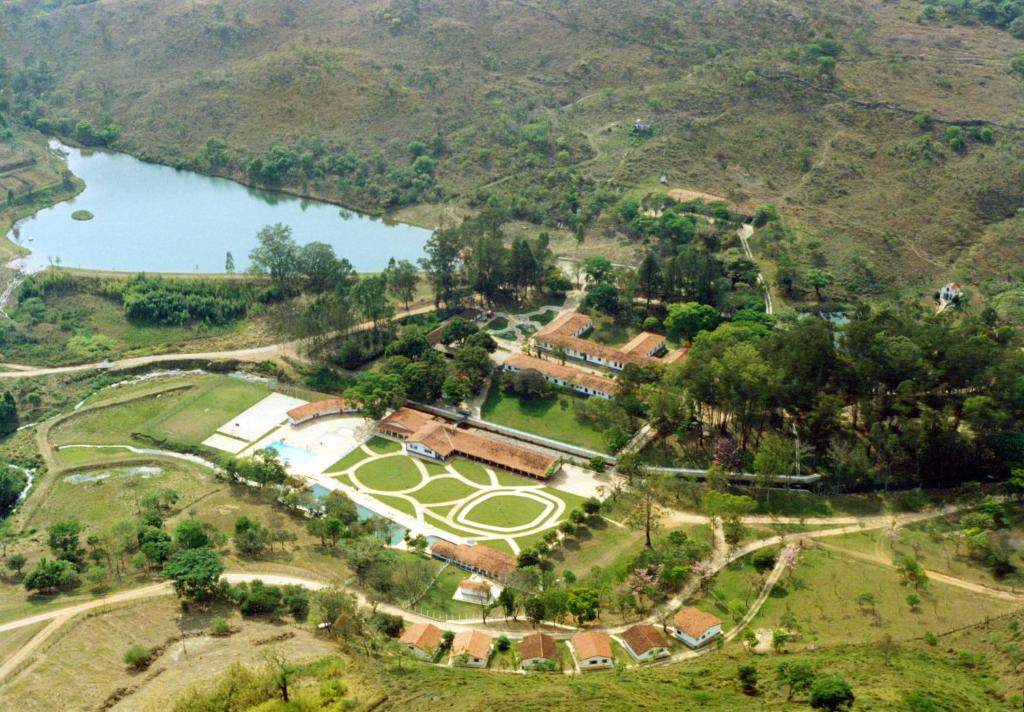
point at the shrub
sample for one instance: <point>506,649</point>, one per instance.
<point>220,627</point>
<point>502,644</point>
<point>138,657</point>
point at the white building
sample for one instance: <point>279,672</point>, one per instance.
<point>592,650</point>
<point>471,648</point>
<point>695,627</point>
<point>644,643</point>
<point>476,589</point>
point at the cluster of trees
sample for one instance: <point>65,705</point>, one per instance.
<point>799,678</point>
<point>176,302</point>
<point>143,541</point>
<point>370,182</point>
<point>898,395</point>
<point>12,482</point>
<point>474,258</point>
<point>413,370</point>
<point>695,255</point>
<point>1004,14</point>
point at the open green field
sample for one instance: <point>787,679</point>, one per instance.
<point>106,494</point>
<point>819,602</point>
<point>551,417</point>
<point>185,410</point>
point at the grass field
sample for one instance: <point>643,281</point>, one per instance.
<point>104,501</point>
<point>471,471</point>
<point>390,473</point>
<point>353,458</point>
<point>383,446</point>
<point>552,417</point>
<point>505,511</point>
<point>186,409</point>
<point>820,603</point>
<point>443,489</point>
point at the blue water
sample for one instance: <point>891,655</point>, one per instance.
<point>398,532</point>
<point>290,454</point>
<point>154,218</point>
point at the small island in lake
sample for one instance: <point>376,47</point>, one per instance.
<point>82,215</point>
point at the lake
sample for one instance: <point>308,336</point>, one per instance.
<point>154,218</point>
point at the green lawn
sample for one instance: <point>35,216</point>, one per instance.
<point>400,503</point>
<point>353,458</point>
<point>499,323</point>
<point>100,502</point>
<point>76,456</point>
<point>443,489</point>
<point>471,471</point>
<point>389,474</point>
<point>434,468</point>
<point>186,410</point>
<point>820,602</point>
<point>550,417</point>
<point>505,511</point>
<point>383,446</point>
<point>197,417</point>
<point>545,317</point>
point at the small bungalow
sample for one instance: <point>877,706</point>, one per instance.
<point>644,643</point>
<point>475,590</point>
<point>538,649</point>
<point>695,627</point>
<point>422,640</point>
<point>471,648</point>
<point>592,650</point>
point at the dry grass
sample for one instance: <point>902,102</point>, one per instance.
<point>82,666</point>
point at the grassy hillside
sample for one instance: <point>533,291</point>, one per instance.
<point>530,104</point>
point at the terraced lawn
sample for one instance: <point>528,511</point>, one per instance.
<point>389,474</point>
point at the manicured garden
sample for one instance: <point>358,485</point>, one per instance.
<point>505,511</point>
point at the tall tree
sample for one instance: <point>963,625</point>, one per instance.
<point>442,264</point>
<point>402,280</point>
<point>276,255</point>
<point>370,296</point>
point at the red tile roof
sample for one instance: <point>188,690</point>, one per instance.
<point>642,638</point>
<point>472,643</point>
<point>644,343</point>
<point>447,440</point>
<point>562,332</point>
<point>553,369</point>
<point>591,644</point>
<point>478,556</point>
<point>424,636</point>
<point>538,645</point>
<point>406,420</point>
<point>695,622</point>
<point>323,407</point>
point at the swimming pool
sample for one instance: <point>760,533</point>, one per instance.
<point>290,454</point>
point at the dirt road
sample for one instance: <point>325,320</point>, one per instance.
<point>293,349</point>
